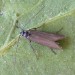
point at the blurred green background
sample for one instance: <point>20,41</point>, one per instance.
<point>17,57</point>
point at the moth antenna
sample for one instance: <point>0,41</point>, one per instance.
<point>35,15</point>
<point>29,19</point>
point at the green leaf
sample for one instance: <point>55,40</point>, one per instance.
<point>16,55</point>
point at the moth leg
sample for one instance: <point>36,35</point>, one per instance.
<point>33,49</point>
<point>31,45</point>
<point>18,42</point>
<point>53,51</point>
<point>59,30</point>
<point>14,53</point>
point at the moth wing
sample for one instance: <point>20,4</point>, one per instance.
<point>49,36</point>
<point>44,41</point>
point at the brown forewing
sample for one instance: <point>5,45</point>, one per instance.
<point>43,40</point>
<point>49,36</point>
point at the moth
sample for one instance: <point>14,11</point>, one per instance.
<point>43,38</point>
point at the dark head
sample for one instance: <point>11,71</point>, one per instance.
<point>25,33</point>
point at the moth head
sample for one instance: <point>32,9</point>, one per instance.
<point>25,33</point>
